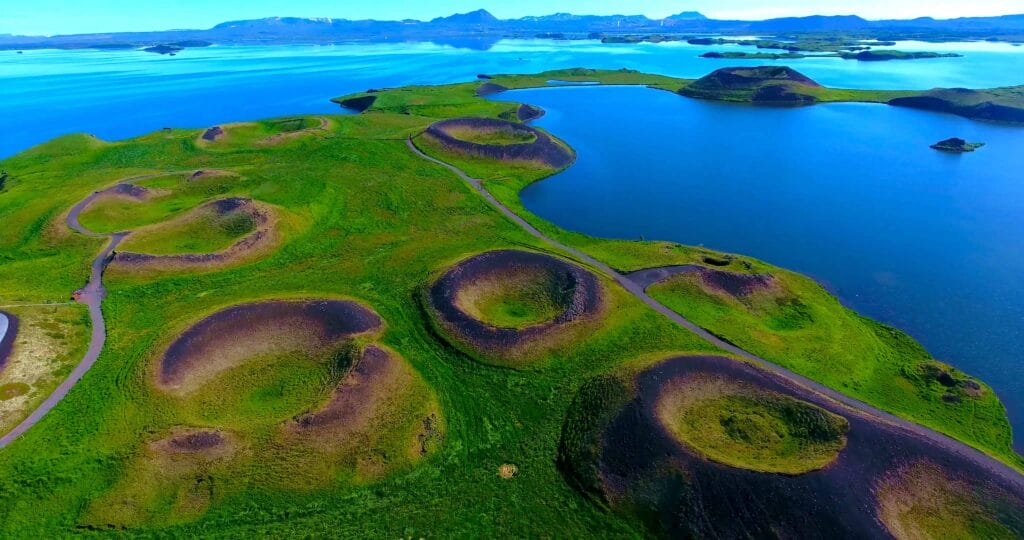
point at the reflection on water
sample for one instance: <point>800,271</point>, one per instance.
<point>122,93</point>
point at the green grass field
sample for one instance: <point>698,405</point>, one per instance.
<point>368,220</point>
<point>748,428</point>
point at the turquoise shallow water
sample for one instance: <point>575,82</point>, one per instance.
<point>119,94</point>
<point>850,194</point>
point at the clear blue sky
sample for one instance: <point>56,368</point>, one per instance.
<point>37,17</point>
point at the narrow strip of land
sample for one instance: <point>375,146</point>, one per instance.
<point>638,289</point>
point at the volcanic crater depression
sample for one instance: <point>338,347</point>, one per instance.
<point>505,303</point>
<point>705,446</point>
<point>237,334</point>
<point>501,140</point>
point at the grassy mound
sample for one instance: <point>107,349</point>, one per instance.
<point>498,140</point>
<point>507,306</point>
<point>211,227</point>
<point>768,85</point>
<point>923,500</point>
<point>237,335</point>
<point>153,199</point>
<point>741,426</point>
<point>270,132</point>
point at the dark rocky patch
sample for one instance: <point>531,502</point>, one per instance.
<point>735,284</point>
<point>714,261</point>
<point>490,89</point>
<point>213,133</point>
<point>616,450</point>
<point>358,104</point>
<point>542,150</point>
<point>529,113</point>
<point>224,206</point>
<point>330,321</point>
<point>170,50</point>
<point>584,299</point>
<point>956,145</point>
<point>7,340</point>
<point>130,190</point>
<point>196,441</point>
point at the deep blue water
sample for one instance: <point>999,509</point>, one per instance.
<point>119,94</point>
<point>850,194</point>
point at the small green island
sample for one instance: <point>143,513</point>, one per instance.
<point>349,325</point>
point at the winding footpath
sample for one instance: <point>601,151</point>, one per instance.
<point>636,283</point>
<point>91,295</point>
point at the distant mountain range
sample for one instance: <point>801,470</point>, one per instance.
<point>481,27</point>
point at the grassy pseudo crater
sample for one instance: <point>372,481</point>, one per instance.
<point>508,307</point>
<point>709,447</point>
<point>741,426</point>
<point>286,384</point>
<point>499,140</point>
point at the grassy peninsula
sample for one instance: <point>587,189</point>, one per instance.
<point>394,345</point>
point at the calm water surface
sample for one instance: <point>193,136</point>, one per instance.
<point>119,94</point>
<point>850,194</point>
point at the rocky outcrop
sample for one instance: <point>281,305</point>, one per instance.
<point>956,145</point>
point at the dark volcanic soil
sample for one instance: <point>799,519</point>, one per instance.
<point>489,89</point>
<point>7,340</point>
<point>213,133</point>
<point>544,150</point>
<point>529,113</point>
<point>253,328</point>
<point>734,283</point>
<point>354,394</point>
<point>585,301</point>
<point>130,190</point>
<point>197,441</point>
<point>358,104</point>
<point>642,470</point>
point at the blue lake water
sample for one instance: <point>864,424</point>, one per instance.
<point>119,94</point>
<point>850,194</point>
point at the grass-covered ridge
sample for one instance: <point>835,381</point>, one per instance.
<point>371,222</point>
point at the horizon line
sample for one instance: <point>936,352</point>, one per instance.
<point>315,18</point>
